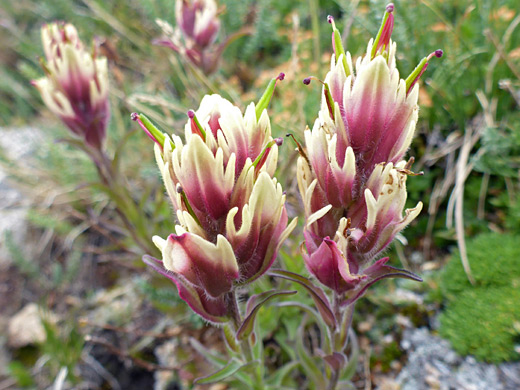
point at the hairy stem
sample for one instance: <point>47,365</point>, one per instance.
<point>246,347</point>
<point>339,334</point>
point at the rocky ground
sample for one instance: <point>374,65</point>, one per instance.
<point>17,144</point>
<point>432,364</point>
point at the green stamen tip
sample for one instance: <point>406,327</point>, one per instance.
<point>187,203</point>
<point>338,45</point>
<point>330,100</point>
<point>264,101</point>
<point>261,155</point>
<point>153,132</point>
<point>379,33</point>
<point>416,73</point>
<point>195,120</point>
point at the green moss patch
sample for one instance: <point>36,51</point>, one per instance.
<point>484,320</point>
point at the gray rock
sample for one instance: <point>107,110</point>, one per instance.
<point>12,222</point>
<point>432,364</point>
<point>26,326</point>
<point>165,354</point>
<point>18,145</point>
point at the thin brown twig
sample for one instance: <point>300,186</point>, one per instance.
<point>482,196</point>
<point>471,136</point>
<point>366,366</point>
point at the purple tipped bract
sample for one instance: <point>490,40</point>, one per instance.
<point>134,116</point>
<point>307,81</point>
<point>390,8</point>
<point>191,114</point>
<point>439,53</point>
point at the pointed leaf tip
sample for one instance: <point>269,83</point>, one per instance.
<point>317,294</point>
<point>249,322</point>
<point>231,368</point>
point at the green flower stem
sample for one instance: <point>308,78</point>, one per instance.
<point>339,334</point>
<point>131,216</point>
<point>246,347</point>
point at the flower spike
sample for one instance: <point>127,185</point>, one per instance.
<point>232,219</point>
<point>352,176</point>
<point>419,69</point>
<point>75,86</point>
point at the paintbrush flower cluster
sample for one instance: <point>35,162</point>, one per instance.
<point>352,177</point>
<point>195,33</point>
<point>231,211</point>
<point>75,86</point>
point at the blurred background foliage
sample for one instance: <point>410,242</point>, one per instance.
<point>467,144</point>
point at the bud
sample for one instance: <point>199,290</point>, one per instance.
<point>195,34</point>
<point>198,21</point>
<point>231,211</point>
<point>351,178</point>
<point>75,86</point>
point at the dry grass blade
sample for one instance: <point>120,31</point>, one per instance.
<point>459,198</point>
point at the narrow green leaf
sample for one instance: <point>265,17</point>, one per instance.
<point>309,364</point>
<point>228,370</point>
<point>231,341</point>
<point>218,361</point>
<point>317,294</point>
<point>249,322</point>
<point>263,103</point>
<point>207,354</point>
<point>279,376</point>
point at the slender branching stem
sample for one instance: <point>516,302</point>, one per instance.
<point>123,201</point>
